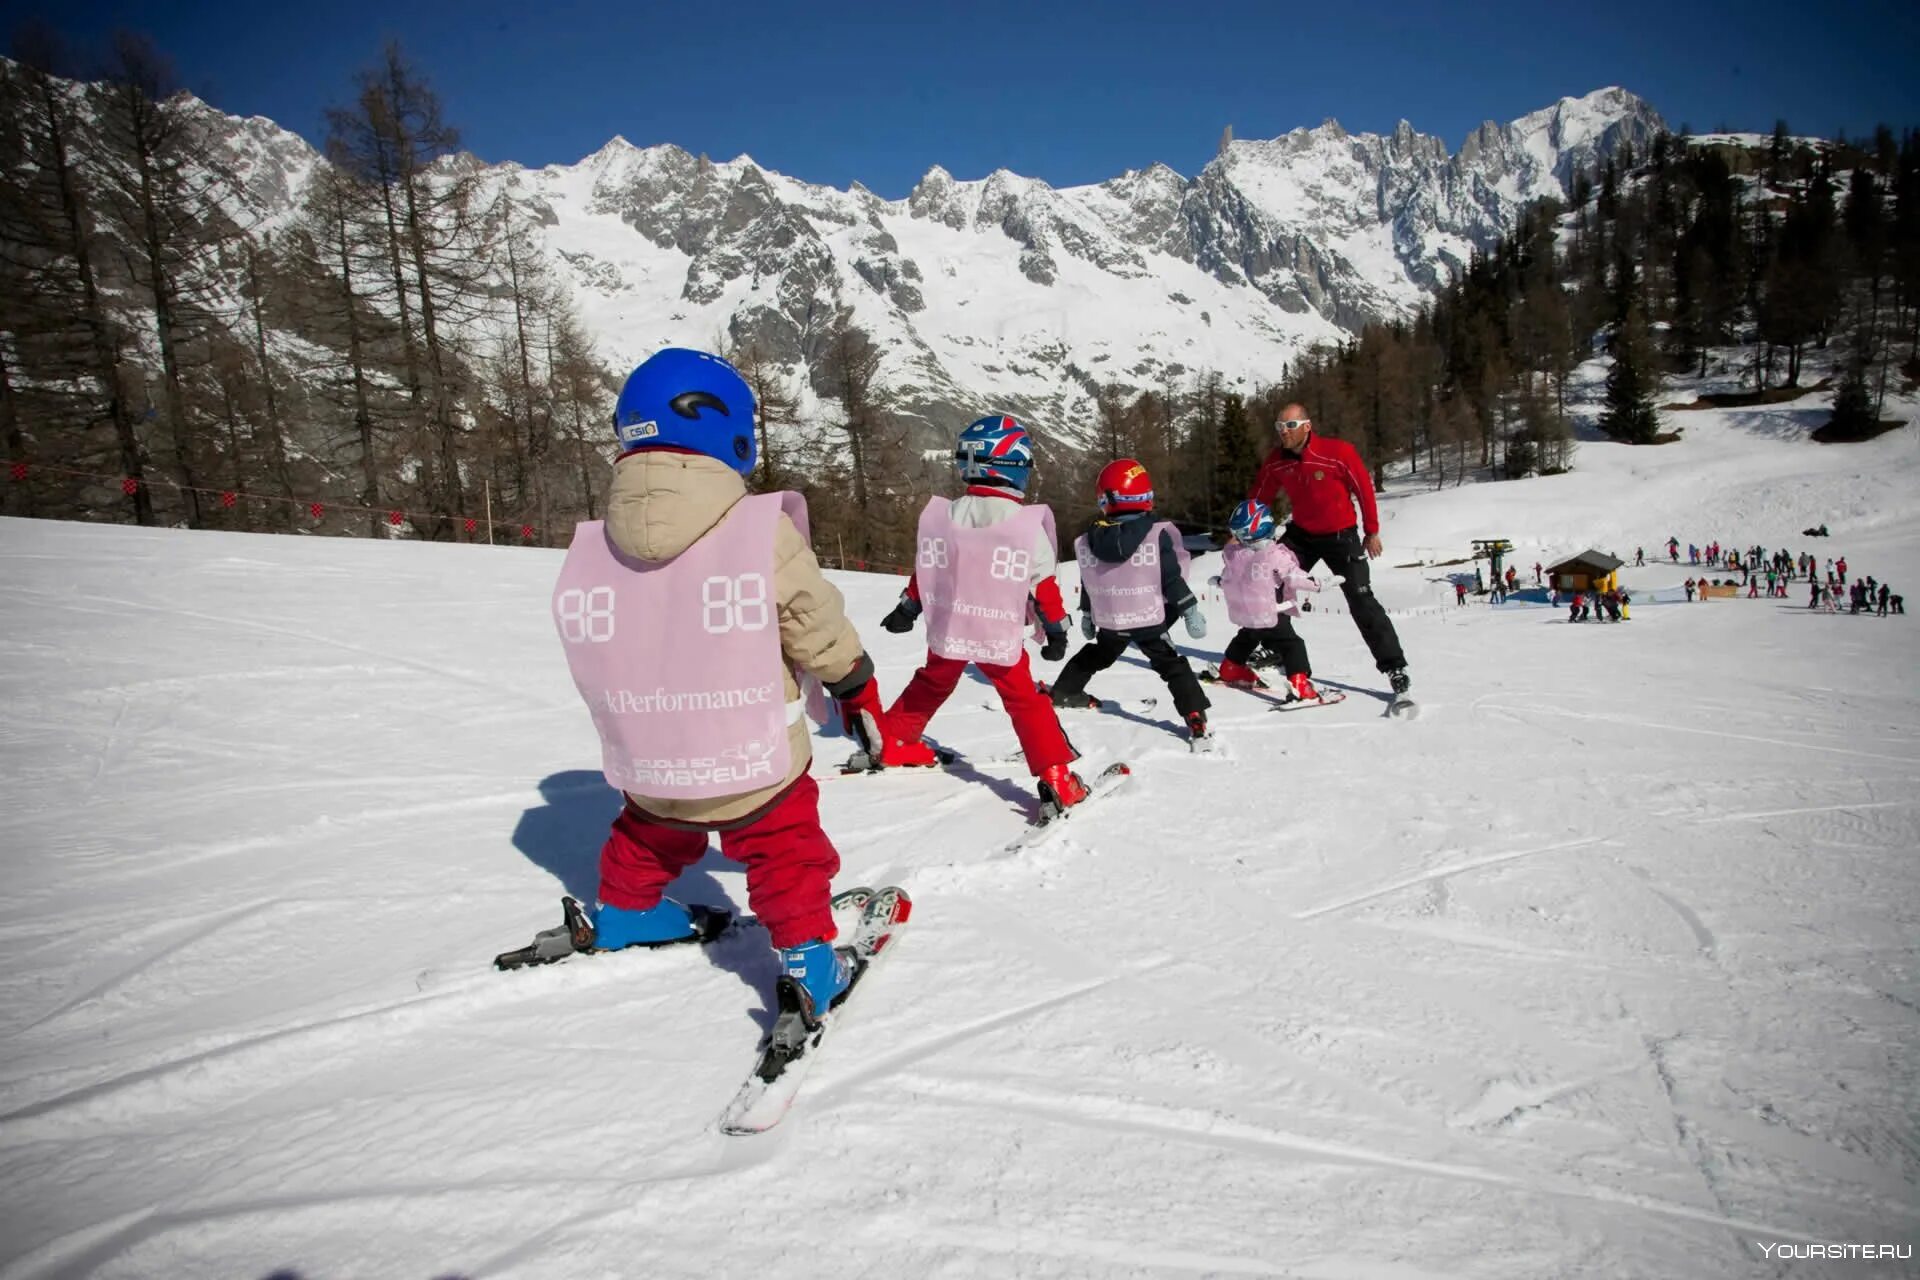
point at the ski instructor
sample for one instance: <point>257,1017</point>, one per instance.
<point>1323,479</point>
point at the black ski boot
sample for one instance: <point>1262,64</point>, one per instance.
<point>1069,701</point>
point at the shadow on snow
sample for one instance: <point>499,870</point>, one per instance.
<point>563,837</point>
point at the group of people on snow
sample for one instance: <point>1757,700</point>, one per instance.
<point>1615,604</point>
<point>1504,585</point>
<point>692,583</point>
<point>1771,573</point>
<point>1864,595</point>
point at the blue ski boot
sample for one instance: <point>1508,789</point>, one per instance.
<point>816,976</point>
<point>658,926</point>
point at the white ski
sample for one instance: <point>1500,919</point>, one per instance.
<point>790,1049</point>
<point>1052,818</point>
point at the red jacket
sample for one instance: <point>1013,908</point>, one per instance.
<point>1322,481</point>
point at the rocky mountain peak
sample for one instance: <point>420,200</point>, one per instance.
<point>1005,288</point>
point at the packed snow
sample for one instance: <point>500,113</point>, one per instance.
<point>1604,966</point>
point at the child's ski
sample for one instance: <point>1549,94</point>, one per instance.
<point>788,1053</point>
<point>1114,706</point>
<point>1280,696</point>
<point>1052,816</point>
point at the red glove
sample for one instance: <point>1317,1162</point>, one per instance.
<point>863,719</point>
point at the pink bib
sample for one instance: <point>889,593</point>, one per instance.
<point>974,583</point>
<point>1127,596</point>
<point>680,661</point>
<point>1249,578</point>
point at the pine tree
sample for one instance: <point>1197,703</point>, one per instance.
<point>1852,403</point>
<point>1631,382</point>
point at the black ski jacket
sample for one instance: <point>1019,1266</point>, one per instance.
<point>1112,541</point>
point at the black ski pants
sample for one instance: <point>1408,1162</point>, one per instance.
<point>1279,639</point>
<point>1343,554</point>
<point>1105,650</point>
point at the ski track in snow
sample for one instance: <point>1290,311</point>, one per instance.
<point>1210,1131</point>
<point>1609,964</point>
<point>1443,873</point>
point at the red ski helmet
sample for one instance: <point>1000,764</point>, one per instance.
<point>1124,486</point>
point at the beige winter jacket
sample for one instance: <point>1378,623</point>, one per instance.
<point>661,504</point>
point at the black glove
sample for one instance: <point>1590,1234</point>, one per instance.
<point>901,620</point>
<point>1055,647</point>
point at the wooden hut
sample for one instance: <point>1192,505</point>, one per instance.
<point>1589,571</point>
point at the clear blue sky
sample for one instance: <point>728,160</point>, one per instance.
<point>834,92</point>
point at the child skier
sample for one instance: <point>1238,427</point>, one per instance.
<point>687,618</point>
<point>1261,579</point>
<point>983,560</point>
<point>1132,586</point>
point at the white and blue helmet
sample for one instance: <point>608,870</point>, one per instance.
<point>996,451</point>
<point>1251,521</point>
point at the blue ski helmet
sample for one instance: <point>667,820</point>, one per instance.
<point>690,400</point>
<point>994,450</point>
<point>1251,521</point>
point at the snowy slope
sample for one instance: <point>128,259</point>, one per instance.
<point>1603,967</point>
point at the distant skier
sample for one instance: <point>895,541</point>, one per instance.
<point>1883,599</point>
<point>1575,605</point>
<point>1459,592</point>
<point>1132,586</point>
<point>686,618</point>
<point>1690,590</point>
<point>1261,580</point>
<point>983,561</point>
<point>1840,566</point>
<point>1536,573</point>
<point>1611,599</point>
<point>1324,479</point>
<point>1639,556</point>
<point>1626,606</point>
<point>1673,550</point>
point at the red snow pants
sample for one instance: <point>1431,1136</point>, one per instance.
<point>1035,722</point>
<point>790,863</point>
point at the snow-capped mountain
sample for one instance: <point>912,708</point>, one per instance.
<point>1007,293</point>
<point>1005,290</point>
